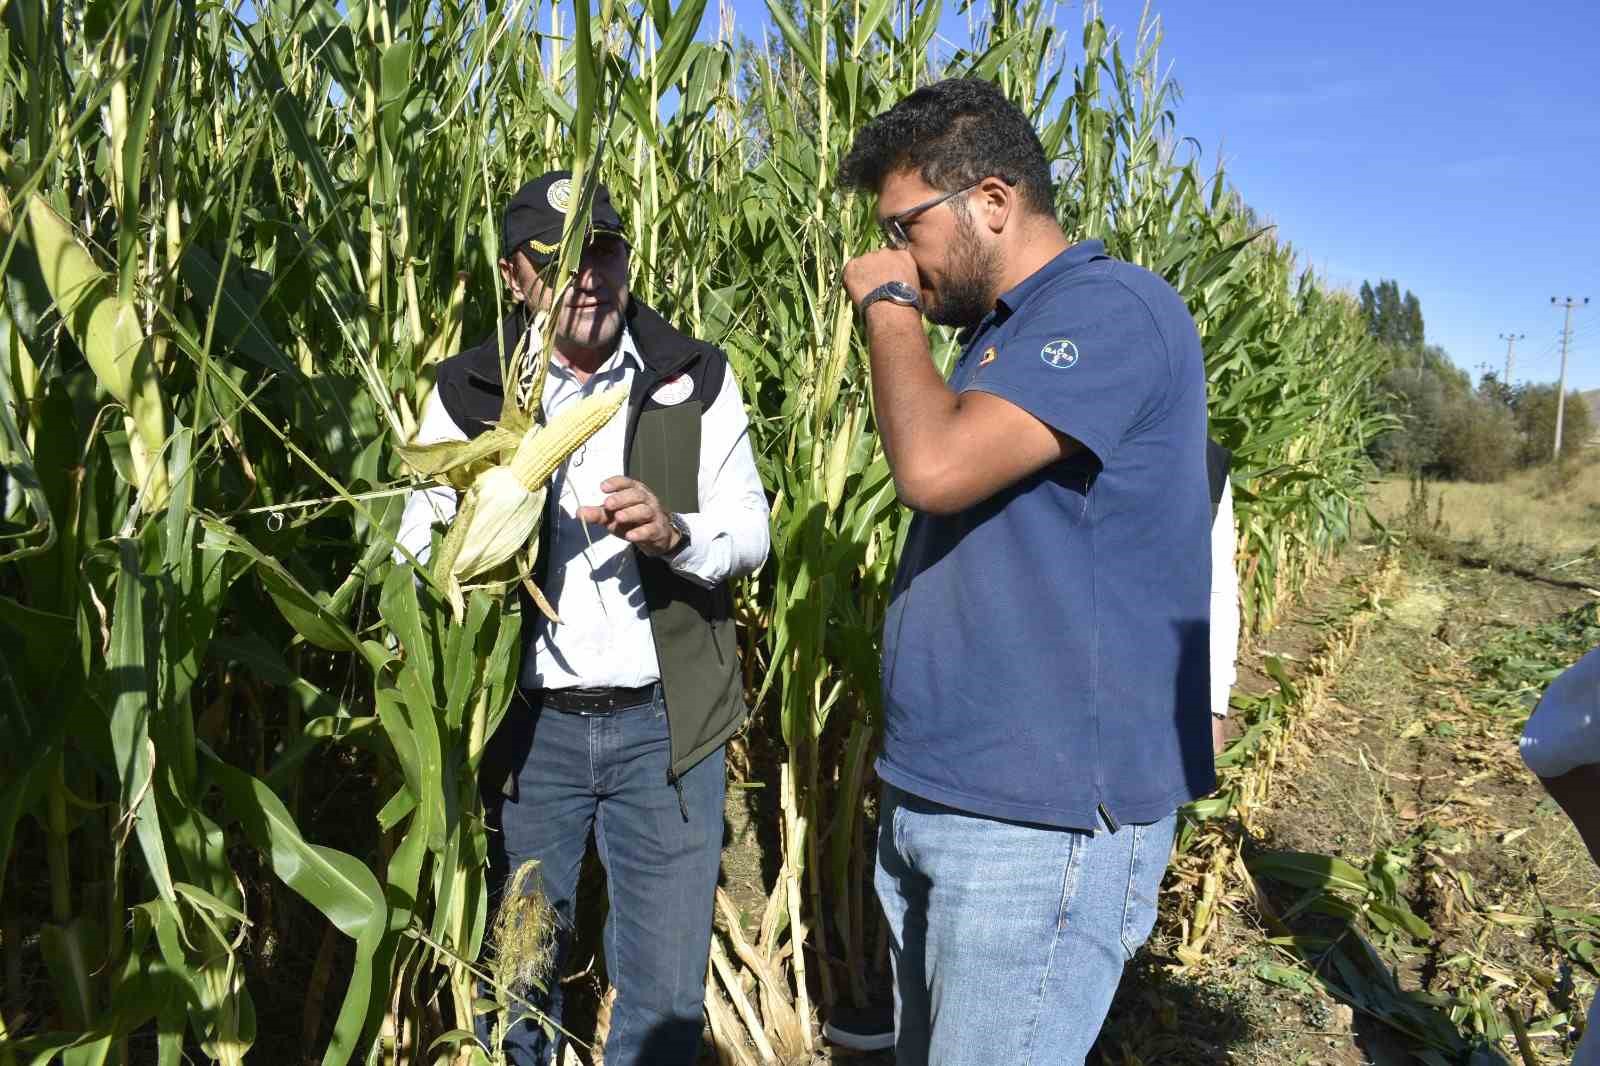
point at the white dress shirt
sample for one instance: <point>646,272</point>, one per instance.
<point>1224,605</point>
<point>604,639</point>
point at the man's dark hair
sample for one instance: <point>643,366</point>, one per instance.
<point>954,132</point>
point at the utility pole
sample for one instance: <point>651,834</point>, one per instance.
<point>1511,340</point>
<point>1566,340</point>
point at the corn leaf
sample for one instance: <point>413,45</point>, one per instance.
<point>130,697</point>
<point>337,884</point>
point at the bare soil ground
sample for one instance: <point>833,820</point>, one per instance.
<point>1414,754</point>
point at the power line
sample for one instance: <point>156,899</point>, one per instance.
<point>1566,340</point>
<point>1585,333</point>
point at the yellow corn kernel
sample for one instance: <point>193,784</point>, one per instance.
<point>544,448</point>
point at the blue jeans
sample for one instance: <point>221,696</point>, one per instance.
<point>1008,940</point>
<point>571,774</point>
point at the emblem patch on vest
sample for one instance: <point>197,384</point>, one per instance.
<point>1061,354</point>
<point>673,391</point>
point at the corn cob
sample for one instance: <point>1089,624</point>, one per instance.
<point>504,515</point>
<point>500,512</point>
<point>543,448</point>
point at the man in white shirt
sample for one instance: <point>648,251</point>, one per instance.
<point>625,706</point>
<point>1224,591</point>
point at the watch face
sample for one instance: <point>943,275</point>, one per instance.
<point>900,292</point>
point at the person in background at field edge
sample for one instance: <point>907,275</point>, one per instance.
<point>624,708</point>
<point>1224,591</point>
<point>1561,745</point>
<point>1046,644</point>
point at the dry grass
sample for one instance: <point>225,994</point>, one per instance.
<point>1537,512</point>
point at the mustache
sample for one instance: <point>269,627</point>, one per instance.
<point>590,296</point>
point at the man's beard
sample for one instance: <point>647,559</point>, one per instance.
<point>967,293</point>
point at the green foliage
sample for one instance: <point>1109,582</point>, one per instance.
<point>1516,667</point>
<point>300,212</point>
<point>1478,440</point>
<point>1445,429</point>
<point>1535,409</point>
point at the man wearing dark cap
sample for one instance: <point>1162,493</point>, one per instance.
<point>624,706</point>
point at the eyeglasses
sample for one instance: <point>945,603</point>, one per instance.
<point>894,226</point>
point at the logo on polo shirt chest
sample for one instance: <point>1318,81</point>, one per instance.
<point>1061,354</point>
<point>989,355</point>
<point>673,391</point>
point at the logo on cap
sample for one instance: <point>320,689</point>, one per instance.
<point>560,194</point>
<point>1061,354</point>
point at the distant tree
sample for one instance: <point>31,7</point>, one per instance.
<point>1447,429</point>
<point>1490,387</point>
<point>1411,321</point>
<point>1393,318</point>
<point>1535,410</point>
<point>1387,321</point>
<point>1478,440</point>
<point>1417,399</point>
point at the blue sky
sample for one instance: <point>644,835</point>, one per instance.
<point>1452,147</point>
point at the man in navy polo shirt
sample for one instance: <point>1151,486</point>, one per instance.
<point>1045,652</point>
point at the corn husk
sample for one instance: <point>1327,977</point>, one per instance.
<point>502,518</point>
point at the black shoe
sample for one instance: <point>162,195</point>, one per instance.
<point>862,1028</point>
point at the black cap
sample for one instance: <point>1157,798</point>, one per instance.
<point>538,210</point>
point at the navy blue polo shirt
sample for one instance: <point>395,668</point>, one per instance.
<point>1045,653</point>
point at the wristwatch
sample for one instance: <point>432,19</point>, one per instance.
<point>675,520</point>
<point>896,292</point>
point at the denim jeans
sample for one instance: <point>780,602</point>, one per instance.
<point>574,773</point>
<point>1008,940</point>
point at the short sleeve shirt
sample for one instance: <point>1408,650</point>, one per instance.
<point>1046,650</point>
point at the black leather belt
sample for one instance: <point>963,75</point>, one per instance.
<point>597,702</point>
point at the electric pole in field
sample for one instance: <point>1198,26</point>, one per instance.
<point>1566,340</point>
<point>1511,340</point>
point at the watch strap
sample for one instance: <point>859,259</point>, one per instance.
<point>677,522</point>
<point>891,291</point>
